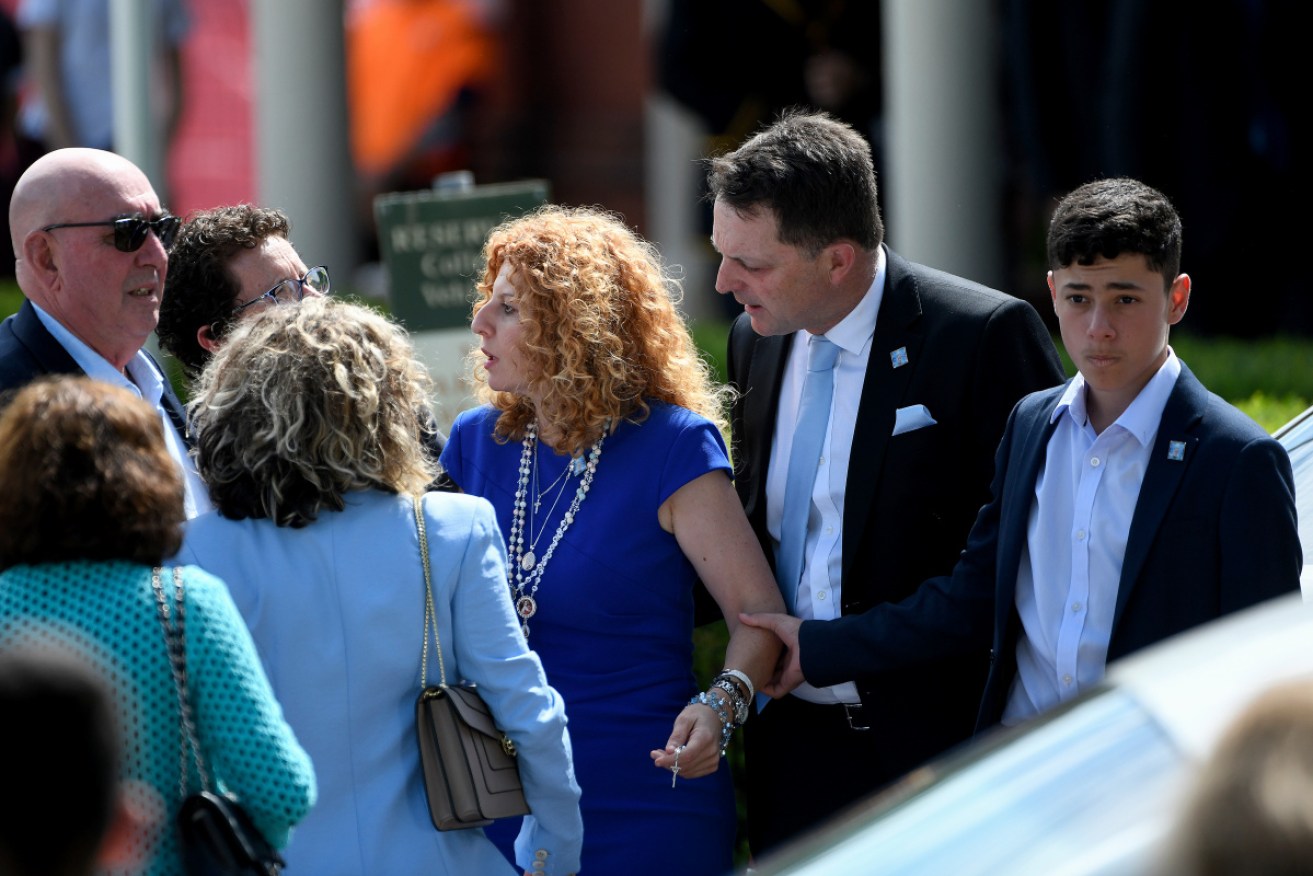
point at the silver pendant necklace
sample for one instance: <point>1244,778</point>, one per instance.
<point>530,557</point>
<point>539,493</point>
<point>526,569</point>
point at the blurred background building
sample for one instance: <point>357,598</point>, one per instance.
<point>981,112</point>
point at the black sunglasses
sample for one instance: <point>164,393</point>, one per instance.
<point>130,231</point>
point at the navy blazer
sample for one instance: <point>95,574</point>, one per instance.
<point>29,351</point>
<point>967,353</point>
<point>1213,532</point>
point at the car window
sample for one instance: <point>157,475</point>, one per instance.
<point>1297,438</point>
<point>1087,792</point>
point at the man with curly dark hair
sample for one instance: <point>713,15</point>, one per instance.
<point>228,262</point>
<point>232,262</point>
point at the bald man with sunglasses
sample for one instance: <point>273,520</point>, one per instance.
<point>91,248</point>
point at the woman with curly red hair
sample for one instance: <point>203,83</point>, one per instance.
<point>600,447</point>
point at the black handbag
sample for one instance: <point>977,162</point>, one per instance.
<point>469,767</point>
<point>217,835</point>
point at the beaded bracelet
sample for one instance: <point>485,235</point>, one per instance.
<point>717,705</point>
<point>735,693</point>
<point>742,678</point>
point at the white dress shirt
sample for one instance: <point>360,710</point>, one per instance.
<point>1071,565</point>
<point>147,383</point>
<point>819,591</point>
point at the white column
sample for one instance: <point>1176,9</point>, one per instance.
<point>944,150</point>
<point>303,159</point>
<point>132,46</point>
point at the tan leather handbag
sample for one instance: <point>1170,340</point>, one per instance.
<point>470,772</point>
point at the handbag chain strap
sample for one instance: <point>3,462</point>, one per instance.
<point>430,616</point>
<point>175,640</point>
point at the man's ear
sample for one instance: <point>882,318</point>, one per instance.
<point>40,257</point>
<point>205,337</point>
<point>839,259</point>
<point>1178,299</point>
<point>1053,291</point>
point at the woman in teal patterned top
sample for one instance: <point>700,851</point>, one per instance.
<point>92,503</point>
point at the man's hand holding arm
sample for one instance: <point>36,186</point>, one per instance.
<point>788,672</point>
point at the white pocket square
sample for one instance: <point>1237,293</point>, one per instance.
<point>911,418</point>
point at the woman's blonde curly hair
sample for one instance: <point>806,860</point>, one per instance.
<point>601,334</point>
<point>306,403</point>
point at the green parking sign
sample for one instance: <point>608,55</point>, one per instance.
<point>431,243</point>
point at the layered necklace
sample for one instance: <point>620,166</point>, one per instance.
<point>526,568</point>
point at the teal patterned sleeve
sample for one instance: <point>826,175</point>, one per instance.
<point>246,742</point>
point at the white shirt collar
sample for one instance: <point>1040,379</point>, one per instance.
<point>146,380</point>
<point>1141,416</point>
<point>854,331</point>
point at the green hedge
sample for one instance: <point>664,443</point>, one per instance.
<point>1271,380</point>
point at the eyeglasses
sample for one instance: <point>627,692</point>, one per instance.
<point>130,231</point>
<point>293,290</point>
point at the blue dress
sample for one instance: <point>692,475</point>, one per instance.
<point>614,631</point>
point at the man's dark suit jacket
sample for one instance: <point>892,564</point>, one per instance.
<point>28,351</point>
<point>971,353</point>
<point>1213,531</point>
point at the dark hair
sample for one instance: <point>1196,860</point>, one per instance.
<point>59,754</point>
<point>1109,217</point>
<point>199,289</point>
<point>813,172</point>
<point>85,475</point>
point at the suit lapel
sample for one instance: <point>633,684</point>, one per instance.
<point>1173,450</point>
<point>52,358</point>
<point>172,404</point>
<point>760,403</point>
<point>895,356</point>
<point>49,354</point>
<point>1024,466</point>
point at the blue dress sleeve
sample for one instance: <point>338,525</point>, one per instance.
<point>695,449</point>
<point>247,744</point>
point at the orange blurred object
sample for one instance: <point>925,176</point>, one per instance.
<point>407,62</point>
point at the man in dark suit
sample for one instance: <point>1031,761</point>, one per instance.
<point>91,243</point>
<point>928,366</point>
<point>1127,505</point>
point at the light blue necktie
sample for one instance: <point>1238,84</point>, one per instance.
<point>804,459</point>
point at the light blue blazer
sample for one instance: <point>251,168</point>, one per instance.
<point>336,610</point>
